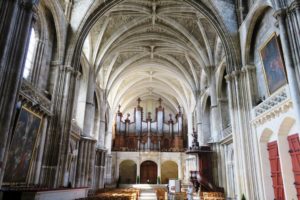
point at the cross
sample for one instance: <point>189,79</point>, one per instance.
<point>139,101</point>
<point>119,108</point>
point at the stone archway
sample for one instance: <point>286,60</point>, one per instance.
<point>169,170</point>
<point>148,172</point>
<point>127,172</point>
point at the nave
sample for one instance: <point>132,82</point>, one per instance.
<point>203,96</point>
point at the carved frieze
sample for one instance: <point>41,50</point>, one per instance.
<point>34,98</point>
<point>278,103</point>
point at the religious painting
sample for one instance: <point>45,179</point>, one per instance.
<point>273,64</point>
<point>22,146</point>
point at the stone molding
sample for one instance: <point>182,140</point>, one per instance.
<point>294,6</point>
<point>272,107</point>
<point>66,68</point>
<point>75,128</point>
<point>226,132</point>
<point>233,75</point>
<point>33,97</point>
<point>28,4</point>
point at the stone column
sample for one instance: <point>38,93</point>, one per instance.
<point>92,163</point>
<point>15,27</point>
<point>190,128</point>
<point>53,76</point>
<point>180,175</point>
<point>76,94</point>
<point>96,127</point>
<point>108,169</point>
<point>250,92</point>
<point>90,107</point>
<point>108,141</point>
<point>293,18</point>
<point>68,9</point>
<point>159,168</point>
<point>215,118</point>
<point>85,162</point>
<point>117,167</point>
<point>234,123</point>
<point>41,150</point>
<point>38,64</point>
<point>101,138</point>
<point>108,136</point>
<point>138,169</point>
<point>247,173</point>
<point>79,165</point>
<point>290,68</point>
<point>199,123</point>
<point>63,99</point>
<point>103,157</point>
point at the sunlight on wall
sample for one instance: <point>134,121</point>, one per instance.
<point>30,55</point>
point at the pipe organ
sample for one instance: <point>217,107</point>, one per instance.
<point>149,134</point>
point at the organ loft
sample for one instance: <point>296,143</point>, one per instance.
<point>115,99</point>
<point>149,132</point>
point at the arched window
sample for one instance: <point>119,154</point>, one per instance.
<point>30,55</point>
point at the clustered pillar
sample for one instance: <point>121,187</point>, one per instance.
<point>86,161</point>
<point>15,28</point>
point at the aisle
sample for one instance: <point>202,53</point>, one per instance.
<point>148,194</point>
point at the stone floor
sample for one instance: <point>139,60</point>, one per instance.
<point>148,194</point>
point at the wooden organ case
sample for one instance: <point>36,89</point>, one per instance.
<point>149,135</point>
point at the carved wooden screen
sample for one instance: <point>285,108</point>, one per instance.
<point>276,171</point>
<point>295,155</point>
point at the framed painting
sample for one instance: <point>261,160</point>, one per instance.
<point>21,147</point>
<point>274,69</point>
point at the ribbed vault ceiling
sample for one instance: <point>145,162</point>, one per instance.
<point>152,49</point>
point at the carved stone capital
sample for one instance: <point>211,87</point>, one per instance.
<point>28,4</point>
<point>35,14</point>
<point>55,63</point>
<point>280,14</point>
<point>249,68</point>
<point>235,74</point>
<point>66,68</point>
<point>295,5</point>
<point>210,69</point>
<point>228,77</point>
<point>77,74</point>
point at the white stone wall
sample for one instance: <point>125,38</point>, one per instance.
<point>277,128</point>
<point>157,157</point>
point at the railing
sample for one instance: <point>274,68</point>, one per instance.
<point>227,131</point>
<point>33,96</point>
<point>272,106</point>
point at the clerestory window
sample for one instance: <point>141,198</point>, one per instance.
<point>30,55</point>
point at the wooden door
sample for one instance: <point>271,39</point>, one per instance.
<point>149,172</point>
<point>276,171</point>
<point>295,155</point>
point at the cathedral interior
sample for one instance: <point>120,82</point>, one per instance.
<point>114,99</point>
